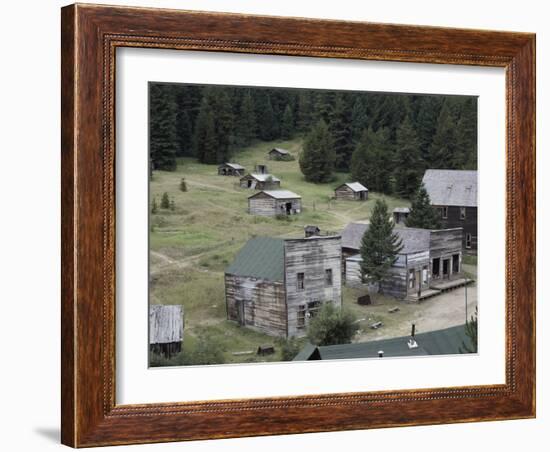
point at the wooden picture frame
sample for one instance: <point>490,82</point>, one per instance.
<point>90,36</point>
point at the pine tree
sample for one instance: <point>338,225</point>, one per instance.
<point>422,214</point>
<point>223,123</point>
<point>379,245</point>
<point>165,201</point>
<point>267,123</point>
<point>204,141</point>
<point>426,124</point>
<point>304,111</point>
<point>443,150</point>
<point>318,158</point>
<point>466,133</point>
<point>162,127</point>
<point>340,129</point>
<point>408,165</point>
<point>359,121</point>
<point>287,124</point>
<point>154,206</point>
<point>471,331</point>
<point>183,184</point>
<point>184,126</point>
<point>246,122</point>
<point>362,160</point>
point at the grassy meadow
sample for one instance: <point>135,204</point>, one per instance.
<point>191,245</point>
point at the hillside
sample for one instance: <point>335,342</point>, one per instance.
<point>191,245</point>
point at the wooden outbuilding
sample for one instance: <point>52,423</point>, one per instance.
<point>270,203</point>
<point>279,154</point>
<point>256,181</point>
<point>400,214</point>
<point>351,191</point>
<point>231,169</point>
<point>276,286</point>
<point>166,324</point>
<point>428,261</point>
<point>454,194</point>
<point>311,230</point>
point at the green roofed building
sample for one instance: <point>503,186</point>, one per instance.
<point>440,342</point>
<point>277,285</point>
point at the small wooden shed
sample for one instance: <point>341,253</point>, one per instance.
<point>351,191</point>
<point>165,329</point>
<point>400,214</point>
<point>231,169</point>
<point>311,230</point>
<point>260,181</point>
<point>270,203</point>
<point>279,154</point>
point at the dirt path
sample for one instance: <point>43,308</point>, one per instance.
<point>168,262</point>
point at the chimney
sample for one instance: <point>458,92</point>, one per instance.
<point>381,354</point>
<point>413,328</point>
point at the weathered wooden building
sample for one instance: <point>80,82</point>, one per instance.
<point>166,324</point>
<point>279,154</point>
<point>351,191</point>
<point>454,194</point>
<point>276,286</point>
<point>231,169</point>
<point>270,203</point>
<point>256,181</point>
<point>429,261</point>
<point>311,230</point>
<point>400,214</point>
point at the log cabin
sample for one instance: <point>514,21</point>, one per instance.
<point>454,194</point>
<point>351,191</point>
<point>231,169</point>
<point>166,324</point>
<point>270,203</point>
<point>279,154</point>
<point>256,181</point>
<point>276,286</point>
<point>430,261</point>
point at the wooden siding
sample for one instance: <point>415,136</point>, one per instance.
<point>312,257</point>
<point>263,304</point>
<point>468,224</point>
<point>267,206</point>
<point>259,185</point>
<point>346,193</point>
<point>443,245</point>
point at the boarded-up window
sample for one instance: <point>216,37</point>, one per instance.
<point>300,281</point>
<point>328,277</point>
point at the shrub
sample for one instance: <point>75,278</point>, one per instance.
<point>183,184</point>
<point>165,201</point>
<point>332,326</point>
<point>289,349</point>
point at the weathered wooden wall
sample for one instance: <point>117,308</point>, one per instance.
<point>264,303</point>
<point>345,193</point>
<point>444,244</point>
<point>259,185</point>
<point>469,224</point>
<point>267,206</point>
<point>311,256</point>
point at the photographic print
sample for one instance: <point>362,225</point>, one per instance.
<point>294,224</point>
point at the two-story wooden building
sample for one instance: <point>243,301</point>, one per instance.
<point>277,285</point>
<point>454,194</point>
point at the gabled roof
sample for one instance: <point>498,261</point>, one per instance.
<point>260,257</point>
<point>278,194</point>
<point>280,151</point>
<point>233,165</point>
<point>262,177</point>
<point>355,186</point>
<point>414,240</point>
<point>165,324</point>
<point>440,342</point>
<point>451,187</point>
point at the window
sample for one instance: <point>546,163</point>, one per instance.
<point>463,213</point>
<point>312,308</point>
<point>328,277</point>
<point>444,212</point>
<point>301,316</point>
<point>300,281</point>
<point>468,240</point>
<point>411,278</point>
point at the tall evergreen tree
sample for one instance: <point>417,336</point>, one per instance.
<point>408,165</point>
<point>358,119</point>
<point>184,133</point>
<point>426,124</point>
<point>318,158</point>
<point>422,214</point>
<point>205,143</point>
<point>162,127</point>
<point>443,150</point>
<point>223,124</point>
<point>340,129</point>
<point>246,122</point>
<point>379,245</point>
<point>267,123</point>
<point>304,111</point>
<point>287,124</point>
<point>466,133</point>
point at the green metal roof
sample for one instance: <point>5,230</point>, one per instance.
<point>260,257</point>
<point>440,342</point>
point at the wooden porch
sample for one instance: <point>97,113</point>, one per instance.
<point>450,284</point>
<point>426,293</point>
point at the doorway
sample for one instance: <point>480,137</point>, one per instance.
<point>435,268</point>
<point>446,268</point>
<point>288,207</point>
<point>240,312</point>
